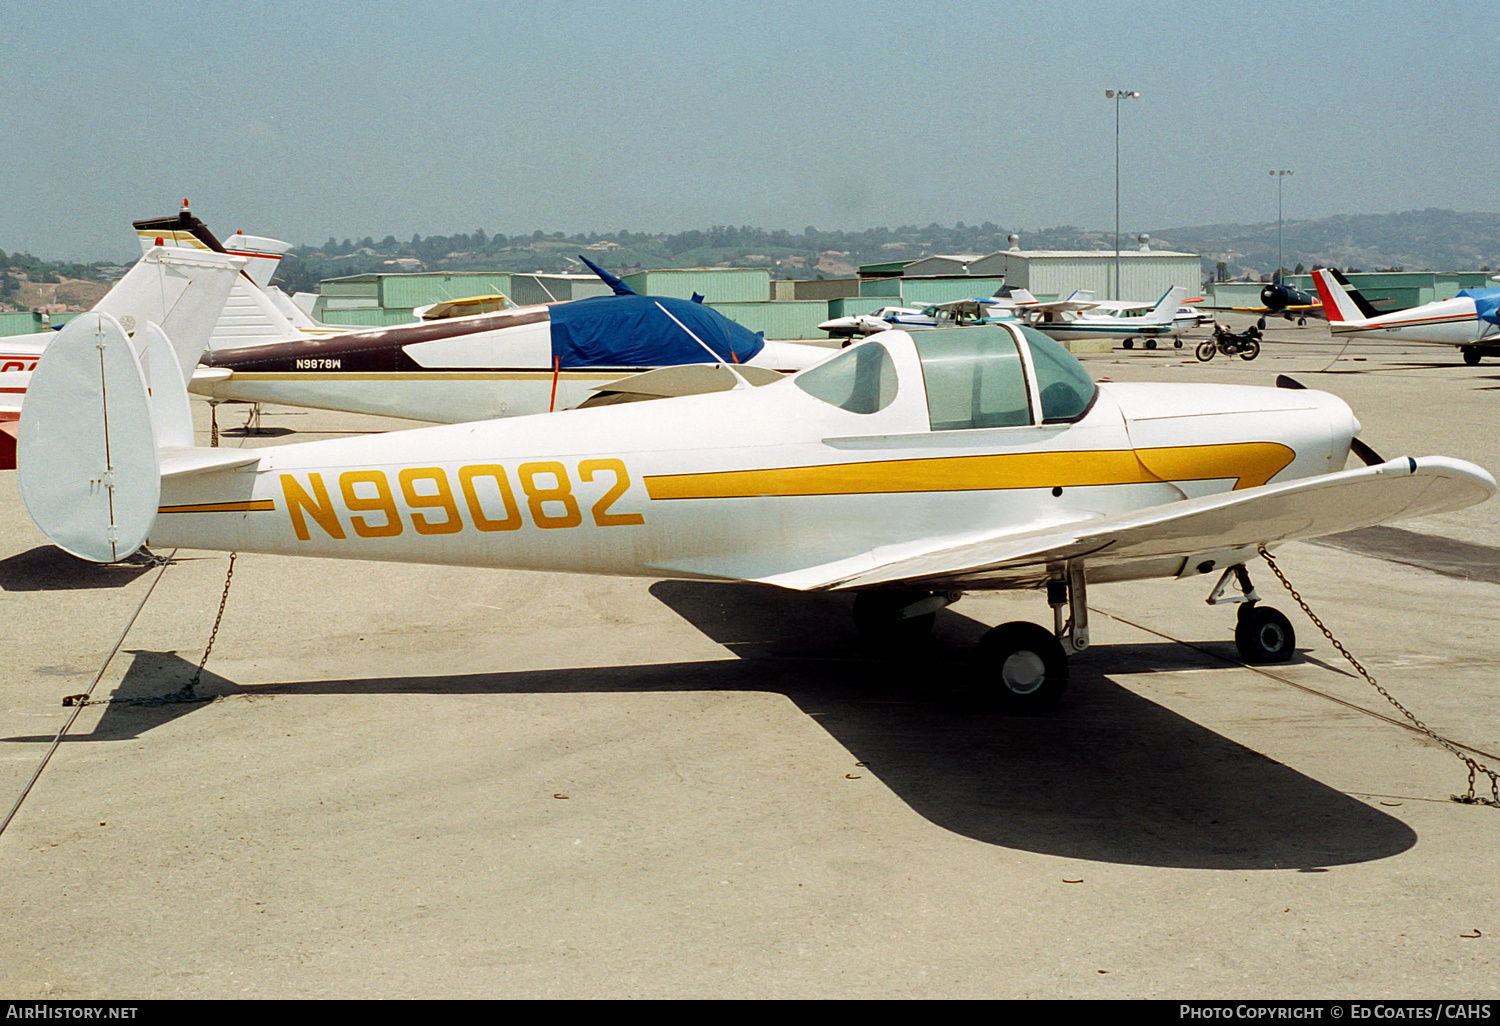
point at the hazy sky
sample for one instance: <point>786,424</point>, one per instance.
<point>309,120</point>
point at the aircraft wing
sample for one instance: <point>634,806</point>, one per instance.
<point>1312,308</point>
<point>1062,305</point>
<point>1191,531</point>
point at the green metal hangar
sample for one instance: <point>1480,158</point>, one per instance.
<point>1144,273</point>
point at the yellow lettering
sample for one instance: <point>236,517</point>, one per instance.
<point>466,476</point>
<point>561,491</point>
<point>602,517</point>
<point>381,502</point>
<point>318,504</point>
<point>442,499</point>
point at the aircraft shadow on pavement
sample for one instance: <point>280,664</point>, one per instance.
<point>1107,777</point>
<point>48,568</point>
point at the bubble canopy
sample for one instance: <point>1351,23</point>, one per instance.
<point>974,377</point>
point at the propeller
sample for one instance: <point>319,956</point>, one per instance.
<point>1369,456</point>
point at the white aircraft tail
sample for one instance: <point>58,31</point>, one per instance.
<point>1166,307</point>
<point>1022,297</point>
<point>1338,304</point>
<point>108,403</point>
<point>181,290</point>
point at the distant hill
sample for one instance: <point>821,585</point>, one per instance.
<point>1438,240</point>
<point>1417,240</point>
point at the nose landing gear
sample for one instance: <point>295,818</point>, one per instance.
<point>1262,634</point>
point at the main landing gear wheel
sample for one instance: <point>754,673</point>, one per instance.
<point>1019,667</point>
<point>878,619</point>
<point>1129,343</point>
<point>1150,343</point>
<point>1471,357</point>
<point>1263,635</point>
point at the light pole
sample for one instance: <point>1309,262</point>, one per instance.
<point>1280,262</point>
<point>1117,95</point>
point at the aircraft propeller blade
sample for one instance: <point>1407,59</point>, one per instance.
<point>1364,452</point>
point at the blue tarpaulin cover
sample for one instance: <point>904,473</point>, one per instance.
<point>1486,303</point>
<point>633,331</point>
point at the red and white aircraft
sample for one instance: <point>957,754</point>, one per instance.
<point>1469,320</point>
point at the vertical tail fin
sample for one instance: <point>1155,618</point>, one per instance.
<point>1166,307</point>
<point>182,290</point>
<point>1365,307</point>
<point>87,448</point>
<point>1338,304</point>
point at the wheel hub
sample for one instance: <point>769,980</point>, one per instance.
<point>1023,672</point>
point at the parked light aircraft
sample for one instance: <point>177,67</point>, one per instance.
<point>908,468</point>
<point>169,287</point>
<point>956,312</point>
<point>509,362</point>
<point>1072,318</point>
<point>1469,320</point>
<point>1286,300</point>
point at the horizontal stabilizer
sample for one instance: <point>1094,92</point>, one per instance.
<point>184,461</point>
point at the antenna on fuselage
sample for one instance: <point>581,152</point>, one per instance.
<point>717,358</point>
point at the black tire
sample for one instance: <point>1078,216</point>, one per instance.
<point>1177,343</point>
<point>1150,343</point>
<point>878,622</point>
<point>1129,343</point>
<point>1301,322</point>
<point>1206,350</point>
<point>1261,324</point>
<point>1471,356</point>
<point>1019,667</point>
<point>1263,635</point>
<point>1251,350</point>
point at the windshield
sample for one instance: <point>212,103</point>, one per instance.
<point>1066,388</point>
<point>861,380</point>
<point>973,377</point>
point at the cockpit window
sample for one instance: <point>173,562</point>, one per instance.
<point>863,380</point>
<point>974,378</point>
<point>1066,389</point>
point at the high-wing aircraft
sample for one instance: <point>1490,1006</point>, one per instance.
<point>1073,318</point>
<point>1470,320</point>
<point>909,468</point>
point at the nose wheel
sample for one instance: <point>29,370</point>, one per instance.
<point>1262,634</point>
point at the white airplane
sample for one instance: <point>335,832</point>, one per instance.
<point>908,468</point>
<point>883,319</point>
<point>454,366</point>
<point>1470,320</point>
<point>935,315</point>
<point>1073,318</point>
<point>157,290</point>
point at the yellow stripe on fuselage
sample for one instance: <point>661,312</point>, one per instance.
<point>1248,464</point>
<point>248,506</point>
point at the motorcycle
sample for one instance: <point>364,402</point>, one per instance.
<point>1245,345</point>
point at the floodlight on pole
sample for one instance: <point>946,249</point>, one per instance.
<point>1280,261</point>
<point>1117,95</point>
